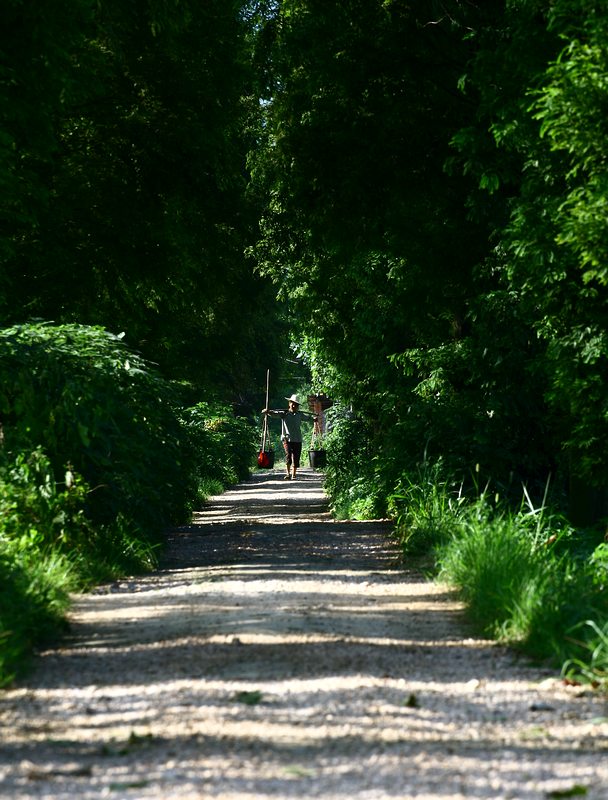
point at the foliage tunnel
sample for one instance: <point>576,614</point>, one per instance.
<point>409,198</point>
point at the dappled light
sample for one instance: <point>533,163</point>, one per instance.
<point>279,655</point>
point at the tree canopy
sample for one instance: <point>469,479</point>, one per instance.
<point>421,185</point>
<point>125,129</point>
<point>433,180</point>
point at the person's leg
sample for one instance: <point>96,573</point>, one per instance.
<point>297,452</point>
<point>287,457</point>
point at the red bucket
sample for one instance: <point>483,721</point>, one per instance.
<point>266,459</point>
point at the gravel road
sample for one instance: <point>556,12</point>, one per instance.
<point>279,654</point>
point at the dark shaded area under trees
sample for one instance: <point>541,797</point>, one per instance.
<point>125,129</point>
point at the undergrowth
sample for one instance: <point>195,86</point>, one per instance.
<point>527,577</point>
<point>35,591</point>
<point>352,479</point>
<point>97,459</point>
<point>49,546</point>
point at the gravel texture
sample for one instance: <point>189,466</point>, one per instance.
<point>280,654</point>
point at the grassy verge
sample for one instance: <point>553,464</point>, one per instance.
<point>527,577</point>
<point>34,596</point>
<point>50,546</point>
<point>49,549</point>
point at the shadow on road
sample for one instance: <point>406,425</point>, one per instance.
<point>284,523</point>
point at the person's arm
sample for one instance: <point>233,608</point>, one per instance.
<point>272,412</point>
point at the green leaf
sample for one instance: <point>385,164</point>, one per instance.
<point>250,698</point>
<point>578,790</point>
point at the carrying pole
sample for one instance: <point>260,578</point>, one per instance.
<point>266,415</point>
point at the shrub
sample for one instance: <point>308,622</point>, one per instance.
<point>89,402</point>
<point>48,548</point>
<point>76,403</point>
<point>35,510</point>
<point>353,477</point>
<point>222,447</point>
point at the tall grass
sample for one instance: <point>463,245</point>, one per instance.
<point>34,596</point>
<point>523,573</point>
<point>518,587</point>
<point>426,508</point>
<point>593,667</point>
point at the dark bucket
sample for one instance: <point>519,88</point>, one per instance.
<point>317,458</point>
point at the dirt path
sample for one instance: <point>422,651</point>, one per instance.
<point>279,654</point>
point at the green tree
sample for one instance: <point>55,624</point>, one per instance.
<point>139,183</point>
<point>372,233</point>
<point>536,149</point>
<point>571,287</point>
<point>38,77</point>
<point>361,225</point>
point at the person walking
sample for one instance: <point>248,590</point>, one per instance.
<point>291,432</point>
